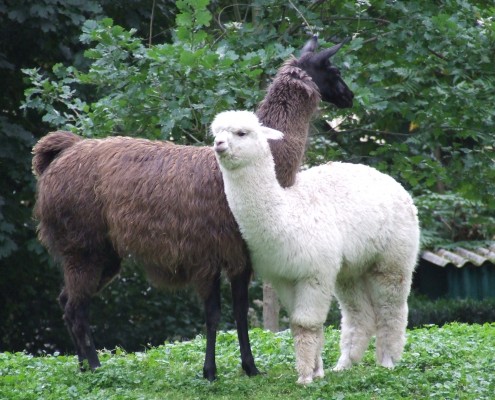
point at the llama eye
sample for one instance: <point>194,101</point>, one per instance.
<point>241,133</point>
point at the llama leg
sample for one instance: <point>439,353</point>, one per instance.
<point>76,316</point>
<point>389,292</point>
<point>84,276</point>
<point>63,299</point>
<point>358,321</point>
<point>212,312</point>
<point>239,286</point>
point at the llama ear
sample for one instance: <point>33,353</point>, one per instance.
<point>272,134</point>
<point>310,45</point>
<point>327,53</point>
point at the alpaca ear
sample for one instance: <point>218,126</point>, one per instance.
<point>272,134</point>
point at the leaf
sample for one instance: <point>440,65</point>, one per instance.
<point>203,18</point>
<point>183,33</point>
<point>187,58</point>
<point>184,20</point>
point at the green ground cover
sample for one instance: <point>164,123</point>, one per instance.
<point>456,361</point>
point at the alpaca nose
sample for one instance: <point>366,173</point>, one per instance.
<point>220,146</point>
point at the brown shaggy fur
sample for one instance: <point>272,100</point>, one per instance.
<point>51,149</point>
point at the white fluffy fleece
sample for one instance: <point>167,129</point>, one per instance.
<point>342,230</point>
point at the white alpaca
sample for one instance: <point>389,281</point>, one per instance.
<point>342,229</point>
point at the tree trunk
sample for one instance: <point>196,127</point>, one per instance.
<point>440,186</point>
<point>271,308</point>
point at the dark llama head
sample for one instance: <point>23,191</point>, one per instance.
<point>327,77</point>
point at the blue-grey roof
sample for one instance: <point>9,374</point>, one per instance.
<point>460,257</point>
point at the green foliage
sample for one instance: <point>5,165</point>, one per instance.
<point>453,361</point>
<point>13,175</point>
<point>451,218</point>
<point>169,91</point>
<point>424,311</point>
<point>192,17</point>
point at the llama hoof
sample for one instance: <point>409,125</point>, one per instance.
<point>209,375</point>
<point>249,367</point>
<point>304,380</point>
<point>252,371</point>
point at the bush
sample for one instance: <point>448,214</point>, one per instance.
<point>424,311</point>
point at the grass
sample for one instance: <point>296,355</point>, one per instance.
<point>456,361</point>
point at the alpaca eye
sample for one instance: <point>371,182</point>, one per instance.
<point>241,133</point>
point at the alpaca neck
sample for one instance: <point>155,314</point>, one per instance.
<point>288,106</point>
<point>255,197</point>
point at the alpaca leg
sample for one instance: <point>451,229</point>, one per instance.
<point>389,292</point>
<point>358,321</point>
<point>311,304</point>
<point>239,286</point>
<point>212,312</point>
<point>306,343</point>
<point>391,339</point>
<point>318,371</point>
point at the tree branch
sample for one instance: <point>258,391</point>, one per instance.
<point>152,17</point>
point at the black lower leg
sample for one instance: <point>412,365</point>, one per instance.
<point>240,286</point>
<point>212,314</point>
<point>88,345</point>
<point>69,318</point>
<point>86,271</point>
<point>78,319</point>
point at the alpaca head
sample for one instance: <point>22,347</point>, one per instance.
<point>327,77</point>
<point>240,139</point>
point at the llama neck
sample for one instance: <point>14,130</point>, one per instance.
<point>288,106</point>
<point>255,197</point>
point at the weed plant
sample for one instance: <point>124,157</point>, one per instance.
<point>456,361</point>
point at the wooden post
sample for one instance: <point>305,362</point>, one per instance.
<point>271,308</point>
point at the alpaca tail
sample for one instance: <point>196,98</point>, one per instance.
<point>49,147</point>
